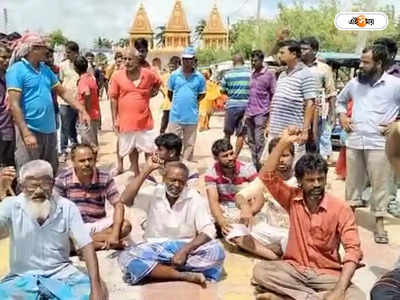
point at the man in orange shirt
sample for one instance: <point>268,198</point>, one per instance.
<point>130,91</point>
<point>311,267</point>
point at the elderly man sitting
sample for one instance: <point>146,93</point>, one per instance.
<point>89,188</point>
<point>180,233</point>
<point>41,225</point>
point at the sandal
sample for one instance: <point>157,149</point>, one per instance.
<point>381,238</point>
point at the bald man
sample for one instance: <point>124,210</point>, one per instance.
<point>236,85</point>
<point>130,91</point>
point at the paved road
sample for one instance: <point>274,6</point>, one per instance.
<point>238,267</point>
<point>378,258</point>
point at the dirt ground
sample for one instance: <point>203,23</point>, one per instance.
<point>235,285</point>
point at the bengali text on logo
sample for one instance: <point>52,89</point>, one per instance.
<point>361,21</point>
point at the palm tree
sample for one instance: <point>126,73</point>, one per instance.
<point>123,42</point>
<point>198,31</point>
<point>160,36</point>
<point>101,42</point>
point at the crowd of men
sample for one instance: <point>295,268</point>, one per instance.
<point>275,207</point>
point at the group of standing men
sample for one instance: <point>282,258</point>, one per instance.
<point>180,234</point>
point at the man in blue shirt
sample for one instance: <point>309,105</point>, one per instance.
<point>29,85</point>
<point>186,88</point>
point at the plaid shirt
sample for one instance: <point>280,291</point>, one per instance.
<point>226,187</point>
<point>90,199</point>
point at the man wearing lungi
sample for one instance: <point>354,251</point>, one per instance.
<point>180,234</point>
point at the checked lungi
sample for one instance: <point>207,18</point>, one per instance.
<point>138,261</point>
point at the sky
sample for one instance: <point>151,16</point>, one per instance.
<point>84,20</point>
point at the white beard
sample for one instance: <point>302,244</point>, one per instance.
<point>39,210</point>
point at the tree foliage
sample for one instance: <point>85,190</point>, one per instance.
<point>304,21</point>
<point>57,38</point>
<point>102,42</point>
<point>123,42</point>
<point>208,56</point>
<point>160,36</point>
<point>198,31</point>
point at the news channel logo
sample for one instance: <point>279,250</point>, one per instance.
<point>369,21</point>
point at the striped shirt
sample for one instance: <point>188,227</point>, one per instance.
<point>90,199</point>
<point>373,106</point>
<point>236,84</point>
<point>228,188</point>
<point>292,90</point>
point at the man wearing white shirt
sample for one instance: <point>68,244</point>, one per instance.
<point>69,115</point>
<point>180,234</point>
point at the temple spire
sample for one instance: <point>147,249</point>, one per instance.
<point>177,31</point>
<point>141,27</point>
<point>215,34</point>
<point>177,20</point>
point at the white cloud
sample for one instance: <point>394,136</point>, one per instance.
<point>84,20</point>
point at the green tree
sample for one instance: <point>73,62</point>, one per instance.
<point>102,42</point>
<point>123,42</point>
<point>208,56</point>
<point>57,38</point>
<point>304,21</point>
<point>160,36</point>
<point>199,29</point>
<point>242,36</point>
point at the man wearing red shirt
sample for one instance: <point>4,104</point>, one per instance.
<point>130,91</point>
<point>311,267</point>
<point>88,95</point>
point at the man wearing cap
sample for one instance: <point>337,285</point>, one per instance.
<point>30,83</point>
<point>186,88</point>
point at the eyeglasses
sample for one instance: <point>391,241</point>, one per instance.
<point>33,185</point>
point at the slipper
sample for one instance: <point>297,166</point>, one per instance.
<point>381,238</point>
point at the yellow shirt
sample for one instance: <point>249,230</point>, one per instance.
<point>212,93</point>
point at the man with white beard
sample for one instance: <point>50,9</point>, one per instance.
<point>41,225</point>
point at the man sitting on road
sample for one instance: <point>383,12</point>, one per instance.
<point>223,181</point>
<point>180,233</point>
<point>89,188</point>
<point>169,148</point>
<point>41,226</point>
<point>319,223</point>
<point>273,224</point>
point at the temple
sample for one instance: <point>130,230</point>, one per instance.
<point>177,32</point>
<point>141,27</point>
<point>215,35</point>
